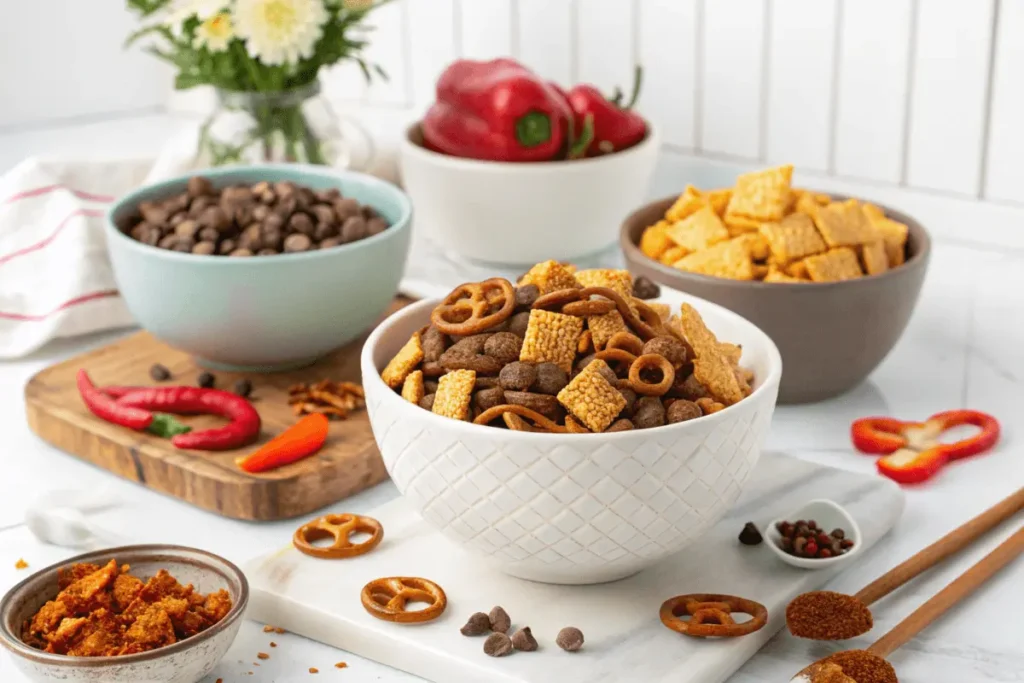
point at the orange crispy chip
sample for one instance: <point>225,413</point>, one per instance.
<point>688,202</point>
<point>655,241</point>
<point>763,194</point>
<point>738,225</point>
<point>874,257</point>
<point>844,225</point>
<point>673,254</point>
<point>893,232</point>
<point>711,366</point>
<point>699,230</point>
<point>834,265</point>
<point>776,275</point>
<point>730,259</point>
<point>798,270</point>
<point>407,358</point>
<point>619,280</point>
<point>792,238</point>
<point>719,199</point>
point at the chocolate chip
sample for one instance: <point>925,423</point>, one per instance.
<point>682,410</point>
<point>500,621</point>
<point>297,243</point>
<point>198,186</point>
<point>517,376</point>
<point>523,640</point>
<point>750,535</point>
<point>241,252</point>
<point>497,645</point>
<point>204,248</point>
<point>550,379</point>
<point>503,347</point>
<point>302,223</point>
<point>570,639</point>
<point>159,373</point>
<point>645,288</point>
<point>353,229</point>
<point>376,226</point>
<point>526,295</point>
<point>649,412</point>
<point>477,625</point>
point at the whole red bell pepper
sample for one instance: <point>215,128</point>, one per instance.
<point>912,450</point>
<point>616,125</point>
<point>497,111</point>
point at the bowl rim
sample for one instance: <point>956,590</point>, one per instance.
<point>758,396</point>
<point>409,146</point>
<point>631,250</point>
<point>163,187</point>
<point>14,644</point>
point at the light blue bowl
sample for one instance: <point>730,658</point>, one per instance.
<point>263,313</point>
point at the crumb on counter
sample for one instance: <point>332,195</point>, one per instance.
<point>341,665</point>
<point>262,655</point>
<point>273,644</point>
<point>314,670</point>
<point>21,564</point>
<point>268,629</point>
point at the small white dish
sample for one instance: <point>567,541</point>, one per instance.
<point>828,515</point>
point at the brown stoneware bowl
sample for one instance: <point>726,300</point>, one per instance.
<point>831,335</point>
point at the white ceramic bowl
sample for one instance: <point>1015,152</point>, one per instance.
<point>828,515</point>
<point>523,213</point>
<point>572,508</point>
<point>186,661</point>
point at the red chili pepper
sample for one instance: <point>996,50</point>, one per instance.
<point>912,450</point>
<point>498,111</point>
<point>616,125</point>
<point>106,408</point>
<point>245,421</point>
<point>301,440</point>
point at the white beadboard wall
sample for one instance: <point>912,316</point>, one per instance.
<point>917,100</point>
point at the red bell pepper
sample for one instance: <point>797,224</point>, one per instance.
<point>616,125</point>
<point>912,450</point>
<point>497,111</point>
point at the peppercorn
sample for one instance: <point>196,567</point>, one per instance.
<point>205,380</point>
<point>645,288</point>
<point>243,387</point>
<point>159,373</point>
<point>750,535</point>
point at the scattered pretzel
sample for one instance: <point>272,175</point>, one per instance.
<point>338,527</point>
<point>386,599</point>
<point>583,309</point>
<point>557,299</point>
<point>710,615</point>
<point>532,415</point>
<point>467,309</point>
<point>630,318</point>
<point>627,341</point>
<point>651,361</point>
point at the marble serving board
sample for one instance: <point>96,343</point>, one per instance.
<point>625,640</point>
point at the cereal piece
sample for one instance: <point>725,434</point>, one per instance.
<point>655,240</point>
<point>844,225</point>
<point>874,257</point>
<point>799,270</point>
<point>550,379</point>
<point>454,391</point>
<point>681,411</point>
<point>545,404</point>
<point>834,265</point>
<point>711,366</point>
<point>719,199</point>
<point>551,337</point>
<point>591,398</point>
<point>621,425</point>
<point>894,234</point>
<point>738,225</point>
<point>793,238</point>
<point>518,322</point>
<point>664,311</point>
<point>649,412</point>
<point>618,280</point>
<point>729,259</point>
<point>407,358</point>
<point>776,275</point>
<point>690,201</point>
<point>763,194</point>
<point>585,343</point>
<point>503,347</point>
<point>550,276</point>
<point>427,402</point>
<point>412,389</point>
<point>697,231</point>
<point>603,327</point>
<point>673,254</point>
<point>709,406</point>
<point>671,348</point>
<point>488,398</point>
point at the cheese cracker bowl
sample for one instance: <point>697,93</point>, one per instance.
<point>571,508</point>
<point>831,335</point>
<point>522,213</point>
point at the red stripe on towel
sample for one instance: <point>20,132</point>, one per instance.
<point>38,191</point>
<point>91,213</point>
<point>85,298</point>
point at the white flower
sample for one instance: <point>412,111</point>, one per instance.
<point>280,31</point>
<point>181,11</point>
<point>215,33</point>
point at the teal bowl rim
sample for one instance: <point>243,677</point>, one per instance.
<point>164,186</point>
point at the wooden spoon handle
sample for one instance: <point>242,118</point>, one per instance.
<point>963,586</point>
<point>953,542</point>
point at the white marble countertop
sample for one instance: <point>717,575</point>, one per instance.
<point>964,348</point>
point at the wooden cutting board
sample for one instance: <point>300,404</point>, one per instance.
<point>348,463</point>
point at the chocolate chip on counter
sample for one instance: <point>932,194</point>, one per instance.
<point>516,376</point>
<point>570,639</point>
<point>550,379</point>
<point>159,373</point>
<point>645,288</point>
<point>497,645</point>
<point>750,535</point>
<point>504,347</point>
<point>500,621</point>
<point>477,625</point>
<point>682,410</point>
<point>243,387</point>
<point>523,640</point>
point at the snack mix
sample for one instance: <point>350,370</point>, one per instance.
<point>105,611</point>
<point>566,351</point>
<point>764,229</point>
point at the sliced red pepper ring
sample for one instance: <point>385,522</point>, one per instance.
<point>912,450</point>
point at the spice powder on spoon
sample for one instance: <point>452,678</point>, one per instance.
<point>826,615</point>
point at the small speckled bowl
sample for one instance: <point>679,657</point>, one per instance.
<point>186,661</point>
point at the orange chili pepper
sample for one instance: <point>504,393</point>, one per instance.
<point>301,440</point>
<point>912,450</point>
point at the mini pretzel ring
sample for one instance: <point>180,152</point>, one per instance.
<point>651,361</point>
<point>710,615</point>
<point>338,527</point>
<point>616,355</point>
<point>643,329</point>
<point>588,307</point>
<point>530,414</point>
<point>386,599</point>
<point>467,309</point>
<point>557,298</point>
<point>627,341</point>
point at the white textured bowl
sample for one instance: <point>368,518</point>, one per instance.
<point>575,508</point>
<point>524,213</point>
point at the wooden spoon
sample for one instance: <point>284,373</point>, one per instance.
<point>869,666</point>
<point>826,615</point>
